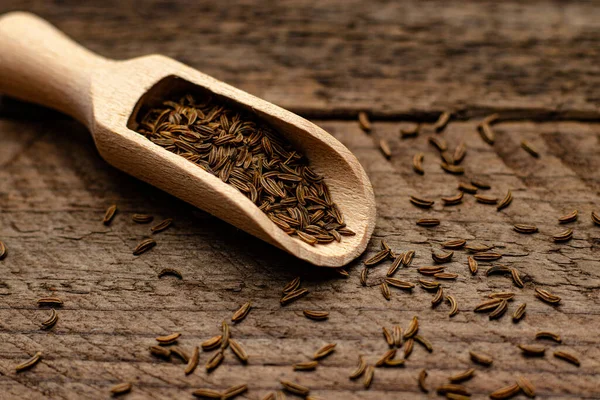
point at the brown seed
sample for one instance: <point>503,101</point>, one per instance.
<point>424,342</point>
<point>388,355</point>
<point>567,357</point>
<point>439,143</point>
<point>295,388</point>
<point>394,363</point>
<point>411,132</point>
<point>369,374</point>
<point>316,315</point>
<point>377,258</point>
<point>408,257</point>
<point>385,291</point>
<point>51,321</point>
<point>159,351</point>
<point>532,350</point>
<point>363,276</point>
<point>465,187</point>
<point>421,379</point>
<point>3,250</point>
<point>242,312</point>
<point>563,236</point>
<point>453,200</point>
<point>421,202</point>
<point>595,219</point>
<point>571,217</point>
<point>454,396</point>
<point>548,335</point>
<point>144,246</point>
<point>452,169</point>
<point>546,296</point>
<point>482,198</point>
<point>487,256</point>
<point>498,270</point>
<point>324,351</point>
<point>305,237</point>
<point>430,270</point>
<point>447,158</point>
<point>234,391</point>
<point>306,366</point>
<point>179,352</point>
<point>408,347</point>
<point>454,244</point>
<point>170,271</point>
<point>488,305</point>
<point>364,122</point>
<point>499,310</point>
<point>50,301</point>
<point>442,121</point>
<point>385,148</point>
<point>360,368</point>
<point>453,305</point>
<point>215,361</point>
<point>226,334</point>
<point>490,119</point>
<point>529,148</point>
<point>502,295</point>
<point>439,296</point>
<point>168,339</point>
<point>526,386</point>
<point>445,275</point>
<point>472,265</point>
<point>428,222</point>
<point>212,343</point>
<point>505,392</point>
<point>193,361</point>
<point>29,363</point>
<point>443,257</point>
<point>486,132</point>
<point>459,153</point>
<point>463,376</point>
<point>477,248</point>
<point>142,218</point>
<point>291,285</point>
<point>516,277</point>
<point>453,388</point>
<point>121,388</point>
<point>294,295</point>
<point>525,228</point>
<point>418,163</point>
<point>395,265</point>
<point>162,226</point>
<point>481,358</point>
<point>505,201</point>
<point>238,350</point>
<point>480,184</point>
<point>388,336</point>
<point>397,335</point>
<point>207,394</point>
<point>519,312</point>
<point>400,284</point>
<point>108,216</point>
<point>429,285</point>
<point>412,329</point>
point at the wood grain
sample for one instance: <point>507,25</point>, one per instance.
<point>54,189</point>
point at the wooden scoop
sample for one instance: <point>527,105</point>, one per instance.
<point>41,65</point>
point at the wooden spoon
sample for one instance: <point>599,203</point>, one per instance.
<point>40,64</point>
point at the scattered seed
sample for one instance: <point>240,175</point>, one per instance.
<point>385,291</point>
<point>377,258</point>
<point>439,143</point>
<point>316,315</point>
<point>519,312</point>
<point>442,121</point>
<point>238,350</point>
<point>408,347</point>
<point>162,226</point>
<point>442,258</point>
<point>421,379</point>
<point>481,358</point>
<point>207,394</point>
<point>294,295</point>
<point>505,392</point>
<point>50,301</point>
<point>567,357</point>
<point>307,238</point>
<point>420,202</point>
<point>516,277</point>
<point>179,352</point>
<point>242,312</point>
<point>529,148</point>
<point>453,388</point>
<point>532,350</point>
<point>394,363</point>
<point>369,374</point>
<point>306,366</point>
<point>424,342</point>
<point>445,275</point>
<point>488,305</point>
<point>505,201</point>
<point>486,132</point>
<point>480,184</point>
<point>447,158</point>
<point>463,376</point>
<point>226,335</point>
<point>324,351</point>
<point>454,244</point>
<point>502,295</point>
<point>395,265</point>
<point>453,305</point>
<point>342,272</point>
<point>144,246</point>
<point>120,389</point>
<point>546,296</point>
<point>526,386</point>
<point>454,396</point>
<point>193,361</point>
<point>363,276</point>
<point>385,148</point>
<point>408,257</point>
<point>109,215</point>
<point>595,219</point>
<point>388,355</point>
<point>397,335</point>
<point>525,228</point>
<point>215,361</point>
<point>29,363</point>
<point>412,329</point>
<point>292,285</point>
<point>429,285</point>
<point>388,336</point>
<point>465,187</point>
<point>572,217</point>
<point>487,256</point>
<point>472,265</point>
<point>160,351</point>
<point>411,132</point>
<point>477,248</point>
<point>364,122</point>
<point>548,335</point>
<point>452,169</point>
<point>170,271</point>
<point>451,201</point>
<point>234,391</point>
<point>459,153</point>
<point>168,339</point>
<point>50,322</point>
<point>439,296</point>
<point>295,388</point>
<point>430,270</point>
<point>360,368</point>
<point>498,270</point>
<point>482,198</point>
<point>400,284</point>
<point>212,343</point>
<point>563,236</point>
<point>418,163</point>
<point>142,218</point>
<point>428,222</point>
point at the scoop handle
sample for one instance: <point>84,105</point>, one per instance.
<point>40,64</point>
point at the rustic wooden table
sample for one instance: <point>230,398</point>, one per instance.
<point>536,63</point>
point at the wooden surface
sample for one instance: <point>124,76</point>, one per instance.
<point>535,62</point>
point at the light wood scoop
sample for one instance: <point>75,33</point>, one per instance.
<point>41,65</point>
